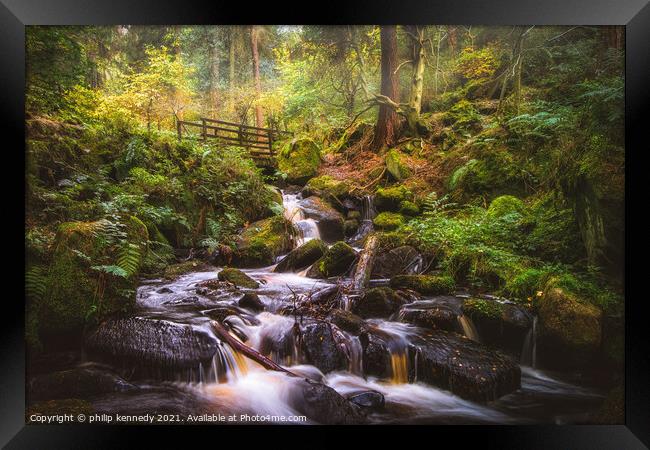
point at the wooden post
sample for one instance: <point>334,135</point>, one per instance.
<point>270,137</point>
<point>204,130</point>
<point>241,136</point>
<point>178,129</point>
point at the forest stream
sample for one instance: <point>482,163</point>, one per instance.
<point>228,382</point>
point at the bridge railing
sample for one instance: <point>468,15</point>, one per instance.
<point>258,141</point>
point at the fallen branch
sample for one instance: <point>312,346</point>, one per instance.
<point>361,277</point>
<point>247,351</point>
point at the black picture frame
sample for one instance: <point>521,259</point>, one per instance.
<point>16,14</point>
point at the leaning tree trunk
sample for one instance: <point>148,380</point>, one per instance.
<point>259,118</point>
<point>387,120</point>
<point>214,77</point>
<point>362,273</point>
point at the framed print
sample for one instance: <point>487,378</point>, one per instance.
<point>406,215</point>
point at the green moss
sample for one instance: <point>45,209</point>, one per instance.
<point>377,302</point>
<point>176,270</point>
<point>396,166</point>
<point>350,227</point>
<point>505,204</point>
<point>262,241</point>
<point>424,284</point>
<point>238,278</point>
<point>299,160</point>
<point>569,320</point>
<point>325,186</point>
<point>388,221</point>
<point>463,116</point>
<point>337,261</point>
<point>354,215</point>
<point>389,198</point>
<point>303,256</point>
<point>72,282</point>
<point>408,208</point>
<point>475,307</point>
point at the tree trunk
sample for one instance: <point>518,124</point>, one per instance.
<point>361,277</point>
<point>231,66</point>
<point>387,120</point>
<point>259,118</point>
<point>417,81</point>
<point>214,77</point>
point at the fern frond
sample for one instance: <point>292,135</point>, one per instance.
<point>36,283</point>
<point>129,258</point>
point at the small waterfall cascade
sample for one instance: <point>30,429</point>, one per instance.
<point>529,350</point>
<point>368,213</point>
<point>307,228</point>
<point>469,330</point>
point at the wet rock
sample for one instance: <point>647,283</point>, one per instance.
<point>499,324</point>
<point>346,321</point>
<point>424,284</point>
<point>436,317</point>
<point>251,301</point>
<point>396,166</point>
<point>330,221</point>
<point>238,278</point>
<point>350,227</point>
<point>320,345</point>
<point>262,241</point>
<point>404,260</point>
<point>324,405</point>
<point>219,314</point>
<point>164,290</point>
<point>376,358</point>
<point>369,399</point>
<point>192,299</point>
<point>570,330</point>
<point>466,368</point>
<point>176,270</point>
<point>80,382</point>
<point>353,214</point>
<point>53,361</point>
<point>151,342</point>
<point>335,262</point>
<point>302,257</point>
<point>377,302</point>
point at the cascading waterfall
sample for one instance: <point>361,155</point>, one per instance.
<point>529,350</point>
<point>469,330</point>
<point>368,213</point>
<point>307,228</point>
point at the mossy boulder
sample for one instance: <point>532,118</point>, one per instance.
<point>378,302</point>
<point>505,204</point>
<point>424,284</point>
<point>335,262</point>
<point>396,166</point>
<point>346,321</point>
<point>569,326</point>
<point>84,253</point>
<point>390,198</point>
<point>327,187</point>
<point>408,208</point>
<point>176,270</point>
<point>388,221</point>
<point>262,241</point>
<point>302,257</point>
<point>238,278</point>
<point>353,214</point>
<point>251,301</point>
<point>299,160</point>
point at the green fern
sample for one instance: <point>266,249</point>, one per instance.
<point>36,283</point>
<point>434,206</point>
<point>112,270</point>
<point>129,258</point>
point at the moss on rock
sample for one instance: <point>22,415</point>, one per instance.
<point>299,160</point>
<point>302,257</point>
<point>396,166</point>
<point>388,221</point>
<point>390,198</point>
<point>424,284</point>
<point>262,241</point>
<point>326,186</point>
<point>176,270</point>
<point>335,262</point>
<point>350,227</point>
<point>408,208</point>
<point>237,277</point>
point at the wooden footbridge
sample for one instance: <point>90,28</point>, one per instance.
<point>258,141</point>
